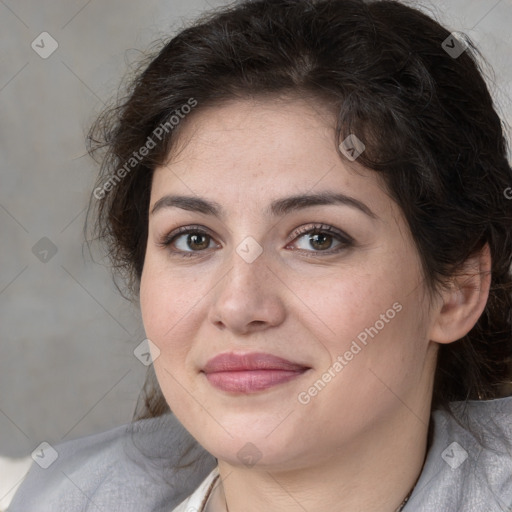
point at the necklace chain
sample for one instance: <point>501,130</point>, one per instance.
<point>399,509</point>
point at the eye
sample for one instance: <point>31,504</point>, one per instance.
<point>188,240</point>
<point>321,238</point>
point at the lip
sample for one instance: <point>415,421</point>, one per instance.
<point>249,373</point>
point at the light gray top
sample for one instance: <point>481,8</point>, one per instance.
<point>132,468</point>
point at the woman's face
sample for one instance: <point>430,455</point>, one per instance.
<point>245,279</point>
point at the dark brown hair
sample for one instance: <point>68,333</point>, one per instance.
<point>425,115</point>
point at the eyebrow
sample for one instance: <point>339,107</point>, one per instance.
<point>279,207</point>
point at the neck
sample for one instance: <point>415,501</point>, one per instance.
<point>375,473</point>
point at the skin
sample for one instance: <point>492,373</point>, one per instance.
<point>360,442</point>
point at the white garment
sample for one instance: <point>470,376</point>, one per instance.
<point>12,473</point>
<point>134,468</point>
<point>466,470</point>
<point>198,500</point>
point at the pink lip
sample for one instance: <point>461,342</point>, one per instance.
<point>249,373</point>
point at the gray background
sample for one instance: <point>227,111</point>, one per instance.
<point>67,337</point>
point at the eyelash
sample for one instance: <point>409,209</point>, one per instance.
<point>314,229</point>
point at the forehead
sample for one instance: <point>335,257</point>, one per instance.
<point>237,127</point>
<point>261,148</point>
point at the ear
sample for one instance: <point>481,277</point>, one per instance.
<point>463,300</point>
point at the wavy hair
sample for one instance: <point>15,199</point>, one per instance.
<point>426,116</point>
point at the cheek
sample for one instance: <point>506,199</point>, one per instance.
<point>348,302</point>
<point>171,303</point>
<point>158,305</point>
<point>164,298</point>
<point>371,315</point>
<point>165,314</point>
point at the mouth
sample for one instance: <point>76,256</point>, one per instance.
<point>249,373</point>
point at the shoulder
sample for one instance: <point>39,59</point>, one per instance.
<point>129,468</point>
<point>469,463</point>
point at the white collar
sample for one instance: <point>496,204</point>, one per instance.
<point>196,502</point>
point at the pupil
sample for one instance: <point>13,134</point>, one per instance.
<point>323,237</point>
<point>193,239</point>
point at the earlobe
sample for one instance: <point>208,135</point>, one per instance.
<point>464,300</point>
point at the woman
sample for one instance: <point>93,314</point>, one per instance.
<point>309,199</point>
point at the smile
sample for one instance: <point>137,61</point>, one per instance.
<point>249,373</point>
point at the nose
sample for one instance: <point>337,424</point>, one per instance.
<point>249,297</point>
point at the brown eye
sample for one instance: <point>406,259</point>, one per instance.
<point>197,241</point>
<point>191,241</point>
<point>320,241</point>
<point>320,238</point>
<point>188,240</point>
